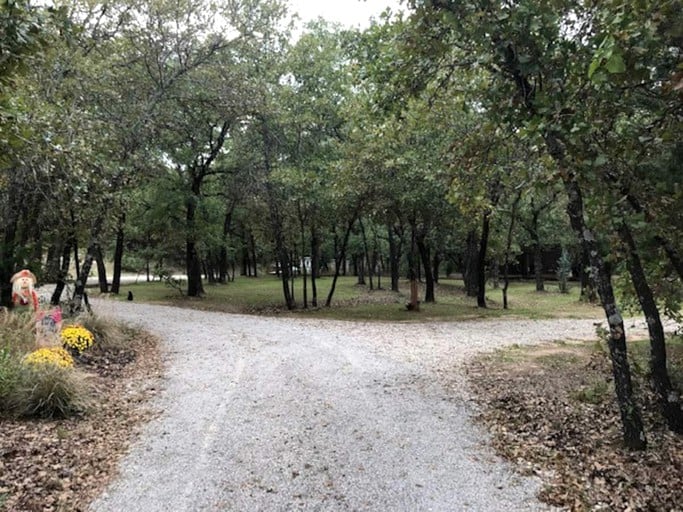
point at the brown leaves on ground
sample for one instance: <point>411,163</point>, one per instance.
<point>61,465</point>
<point>552,411</point>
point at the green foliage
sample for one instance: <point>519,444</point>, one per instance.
<point>594,394</point>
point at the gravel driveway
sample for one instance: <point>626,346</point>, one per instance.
<point>261,413</point>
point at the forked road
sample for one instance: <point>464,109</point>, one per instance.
<point>291,414</point>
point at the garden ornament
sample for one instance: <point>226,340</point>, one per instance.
<point>24,297</point>
<point>48,327</point>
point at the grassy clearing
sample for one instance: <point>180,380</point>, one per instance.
<point>263,295</point>
<point>551,409</point>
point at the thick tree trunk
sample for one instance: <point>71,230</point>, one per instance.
<point>481,263</point>
<point>193,264</point>
<point>118,255</point>
<point>470,272</point>
<point>632,423</point>
<point>669,398</point>
<point>194,270</point>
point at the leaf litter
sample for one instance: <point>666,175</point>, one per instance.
<point>551,411</point>
<point>62,465</point>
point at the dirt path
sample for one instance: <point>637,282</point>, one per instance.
<point>279,414</point>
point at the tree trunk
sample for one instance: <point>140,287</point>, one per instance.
<point>394,259</point>
<point>223,263</point>
<point>588,292</point>
<point>414,304</point>
<point>632,423</point>
<point>367,254</point>
<point>538,253</point>
<point>508,246</point>
<point>7,263</point>
<point>304,271</point>
<point>470,272</point>
<point>101,270</point>
<point>315,265</point>
<point>118,255</point>
<point>79,296</point>
<point>481,263</point>
<point>338,259</point>
<point>63,272</point>
<point>669,398</point>
<point>436,263</point>
<point>254,262</point>
<point>426,258</point>
<point>52,262</point>
<point>192,262</point>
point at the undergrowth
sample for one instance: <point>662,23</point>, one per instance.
<point>43,389</point>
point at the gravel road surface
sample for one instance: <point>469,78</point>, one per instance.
<point>274,414</point>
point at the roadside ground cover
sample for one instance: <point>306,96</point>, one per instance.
<point>60,452</point>
<point>551,410</point>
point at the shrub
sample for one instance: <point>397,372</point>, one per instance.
<point>109,333</point>
<point>51,391</point>
<point>77,338</point>
<point>50,355</point>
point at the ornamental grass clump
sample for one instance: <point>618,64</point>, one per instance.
<point>77,338</point>
<point>52,391</point>
<point>109,333</point>
<point>16,332</point>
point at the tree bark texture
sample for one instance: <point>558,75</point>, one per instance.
<point>425,256</point>
<point>632,423</point>
<point>471,272</point>
<point>481,263</point>
<point>118,255</point>
<point>341,256</point>
<point>669,398</point>
<point>394,258</point>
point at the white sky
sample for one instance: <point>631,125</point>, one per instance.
<point>350,13</point>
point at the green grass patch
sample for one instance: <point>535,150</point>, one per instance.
<point>264,295</point>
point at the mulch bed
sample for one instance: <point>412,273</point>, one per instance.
<point>62,465</point>
<point>554,415</point>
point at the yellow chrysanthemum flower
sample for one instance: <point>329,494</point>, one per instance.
<point>51,355</point>
<point>77,337</point>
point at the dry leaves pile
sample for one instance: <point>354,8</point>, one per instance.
<point>551,411</point>
<point>61,465</point>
